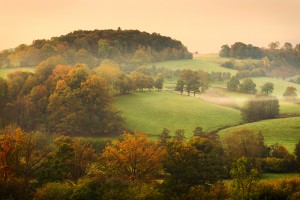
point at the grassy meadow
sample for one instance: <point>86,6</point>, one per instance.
<point>4,71</point>
<point>207,63</point>
<point>285,131</point>
<point>271,176</point>
<point>150,112</point>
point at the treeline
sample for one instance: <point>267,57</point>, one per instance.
<point>287,55</point>
<point>248,86</point>
<point>130,48</point>
<point>33,166</point>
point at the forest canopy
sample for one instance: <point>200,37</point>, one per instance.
<point>130,48</point>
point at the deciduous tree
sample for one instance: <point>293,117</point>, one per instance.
<point>159,81</point>
<point>233,84</point>
<point>248,86</point>
<point>245,179</point>
<point>290,93</point>
<point>135,157</point>
<point>267,88</point>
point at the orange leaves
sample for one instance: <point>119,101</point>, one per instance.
<point>134,157</point>
<point>9,147</point>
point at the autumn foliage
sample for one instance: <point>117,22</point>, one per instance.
<point>135,157</point>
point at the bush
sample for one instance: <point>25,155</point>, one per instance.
<point>279,189</point>
<point>259,108</point>
<point>275,165</point>
<point>12,190</point>
<point>57,191</point>
<point>83,192</point>
<point>228,64</point>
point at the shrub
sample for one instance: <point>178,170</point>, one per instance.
<point>12,190</point>
<point>57,191</point>
<point>259,108</point>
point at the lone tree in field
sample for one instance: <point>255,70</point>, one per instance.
<point>159,81</point>
<point>290,93</point>
<point>233,84</point>
<point>259,108</point>
<point>248,86</point>
<point>267,88</point>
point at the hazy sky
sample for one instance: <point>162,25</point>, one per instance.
<point>202,25</point>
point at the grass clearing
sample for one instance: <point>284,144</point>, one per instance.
<point>4,72</point>
<point>239,99</point>
<point>284,131</point>
<point>272,176</point>
<point>150,112</point>
<point>205,63</point>
<point>279,85</point>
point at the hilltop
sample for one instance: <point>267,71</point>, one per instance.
<point>127,47</point>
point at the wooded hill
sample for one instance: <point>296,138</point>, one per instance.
<point>277,56</point>
<point>129,48</point>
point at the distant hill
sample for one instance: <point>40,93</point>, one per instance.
<point>127,47</point>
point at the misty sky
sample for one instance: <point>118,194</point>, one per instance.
<point>202,25</point>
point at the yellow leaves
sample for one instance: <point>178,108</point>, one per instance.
<point>109,70</point>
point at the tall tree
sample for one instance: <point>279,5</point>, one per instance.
<point>191,163</point>
<point>225,51</point>
<point>267,88</point>
<point>290,92</point>
<point>287,46</point>
<point>245,179</point>
<point>274,45</point>
<point>3,100</point>
<point>81,104</point>
<point>159,81</point>
<point>297,153</point>
<point>187,75</point>
<point>135,157</point>
<point>233,84</point>
<point>124,84</point>
<point>180,86</point>
<point>243,143</point>
<point>248,86</point>
<point>109,70</point>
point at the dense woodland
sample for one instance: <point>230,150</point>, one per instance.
<point>285,55</point>
<point>276,61</point>
<point>130,48</point>
<point>33,165</point>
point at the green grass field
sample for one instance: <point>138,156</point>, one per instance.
<point>284,131</point>
<point>208,64</point>
<point>150,112</point>
<point>279,85</point>
<point>4,72</point>
<point>271,176</point>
